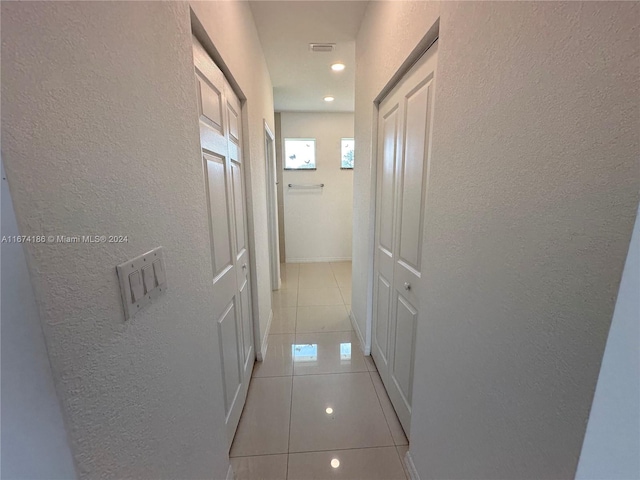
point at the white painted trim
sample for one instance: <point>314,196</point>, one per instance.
<point>262,352</point>
<point>230,473</point>
<point>272,206</point>
<point>318,260</point>
<point>411,468</point>
<point>366,349</point>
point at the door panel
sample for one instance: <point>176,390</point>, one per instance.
<point>238,195</point>
<point>404,135</point>
<point>227,335</point>
<point>247,327</point>
<point>387,190</point>
<point>382,310</point>
<point>413,184</point>
<point>219,212</point>
<point>406,321</point>
<point>210,102</point>
<point>221,139</point>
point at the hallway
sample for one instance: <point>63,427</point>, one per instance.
<point>316,406</point>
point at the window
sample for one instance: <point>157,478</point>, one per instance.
<point>299,153</point>
<point>348,153</point>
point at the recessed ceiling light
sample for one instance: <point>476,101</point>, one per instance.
<point>335,463</point>
<point>337,67</point>
<point>329,98</point>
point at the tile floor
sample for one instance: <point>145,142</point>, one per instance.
<point>316,407</point>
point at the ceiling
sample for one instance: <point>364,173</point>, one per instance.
<point>301,78</point>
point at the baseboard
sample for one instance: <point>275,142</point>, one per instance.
<point>411,468</point>
<point>318,260</point>
<point>365,350</point>
<point>230,473</point>
<point>262,353</point>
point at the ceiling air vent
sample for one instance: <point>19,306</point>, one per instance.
<point>322,47</point>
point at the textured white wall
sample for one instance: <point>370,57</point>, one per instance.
<point>318,222</point>
<point>34,440</point>
<point>532,196</point>
<point>100,136</point>
<point>231,28</point>
<point>612,442</point>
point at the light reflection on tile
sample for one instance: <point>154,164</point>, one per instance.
<point>359,464</point>
<point>356,421</point>
<point>334,352</point>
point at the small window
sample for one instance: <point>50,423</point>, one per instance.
<point>299,153</point>
<point>348,153</point>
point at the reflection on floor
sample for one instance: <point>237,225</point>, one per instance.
<point>316,407</point>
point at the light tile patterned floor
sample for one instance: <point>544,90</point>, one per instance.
<point>316,407</point>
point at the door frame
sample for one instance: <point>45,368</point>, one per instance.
<point>272,205</point>
<point>199,32</point>
<point>430,37</point>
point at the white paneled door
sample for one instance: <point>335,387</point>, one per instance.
<point>404,141</point>
<point>221,141</point>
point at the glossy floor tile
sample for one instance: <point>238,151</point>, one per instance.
<point>264,425</point>
<point>336,412</point>
<point>358,464</point>
<point>402,452</point>
<point>320,296</point>
<point>371,366</point>
<point>330,352</point>
<point>399,438</point>
<point>317,408</point>
<point>327,318</point>
<point>345,291</point>
<point>278,361</point>
<point>317,279</point>
<point>264,467</point>
<point>284,298</point>
<point>342,273</point>
<point>284,320</point>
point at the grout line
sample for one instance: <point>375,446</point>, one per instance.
<point>258,455</point>
<point>346,449</point>
<point>290,417</point>
<point>312,374</point>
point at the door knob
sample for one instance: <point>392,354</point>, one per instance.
<point>407,286</point>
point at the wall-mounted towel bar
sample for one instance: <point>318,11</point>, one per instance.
<point>306,185</point>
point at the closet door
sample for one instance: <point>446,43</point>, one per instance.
<point>404,140</point>
<point>221,142</point>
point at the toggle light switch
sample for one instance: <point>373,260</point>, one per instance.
<point>135,284</point>
<point>148,279</point>
<point>158,268</point>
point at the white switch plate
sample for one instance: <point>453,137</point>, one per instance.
<point>149,287</point>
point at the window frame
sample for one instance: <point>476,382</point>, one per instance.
<point>301,139</point>
<point>352,140</point>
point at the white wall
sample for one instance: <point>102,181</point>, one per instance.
<point>100,136</point>
<point>231,28</point>
<point>533,191</point>
<point>34,440</point>
<point>318,222</point>
<point>612,442</point>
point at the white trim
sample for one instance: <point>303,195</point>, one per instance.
<point>411,468</point>
<point>230,473</point>
<point>318,259</point>
<point>262,353</point>
<point>272,206</point>
<point>366,349</point>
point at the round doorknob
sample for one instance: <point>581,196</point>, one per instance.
<point>407,286</point>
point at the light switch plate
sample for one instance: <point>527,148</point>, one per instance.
<point>152,282</point>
